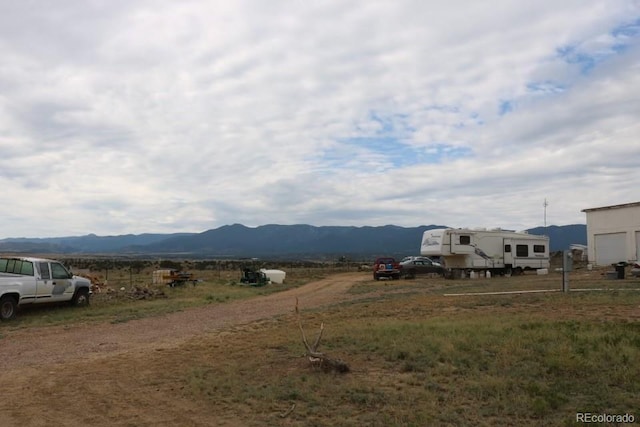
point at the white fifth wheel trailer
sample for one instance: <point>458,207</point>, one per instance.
<point>498,251</point>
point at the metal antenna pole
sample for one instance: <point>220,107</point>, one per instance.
<point>545,204</point>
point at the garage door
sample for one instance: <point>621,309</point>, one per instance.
<point>610,248</point>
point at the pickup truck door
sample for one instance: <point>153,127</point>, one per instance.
<point>54,283</point>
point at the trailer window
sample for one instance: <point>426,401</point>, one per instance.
<point>465,240</point>
<point>539,249</point>
<point>507,248</point>
<point>522,250</point>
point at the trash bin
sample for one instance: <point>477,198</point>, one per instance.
<point>620,269</point>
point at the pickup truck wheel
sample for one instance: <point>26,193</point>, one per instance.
<point>8,308</point>
<point>81,297</point>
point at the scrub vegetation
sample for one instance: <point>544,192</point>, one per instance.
<point>424,360</point>
<point>418,356</point>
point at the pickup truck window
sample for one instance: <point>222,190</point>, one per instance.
<point>45,273</point>
<point>16,266</point>
<point>27,268</point>
<point>58,271</point>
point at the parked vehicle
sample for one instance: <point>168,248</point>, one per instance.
<point>27,280</point>
<point>386,267</point>
<point>172,277</point>
<point>498,251</point>
<point>635,269</point>
<point>420,265</point>
<point>253,277</point>
<point>418,258</point>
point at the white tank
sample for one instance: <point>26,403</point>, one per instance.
<point>276,276</point>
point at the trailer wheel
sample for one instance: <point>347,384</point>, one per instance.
<point>8,307</point>
<point>80,298</point>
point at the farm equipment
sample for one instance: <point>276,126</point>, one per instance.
<point>172,278</point>
<point>253,278</point>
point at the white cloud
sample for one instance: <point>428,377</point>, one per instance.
<point>139,116</point>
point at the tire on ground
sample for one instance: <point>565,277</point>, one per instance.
<point>8,307</point>
<point>81,297</point>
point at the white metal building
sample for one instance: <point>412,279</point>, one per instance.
<point>613,233</point>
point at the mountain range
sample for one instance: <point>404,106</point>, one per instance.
<point>275,241</point>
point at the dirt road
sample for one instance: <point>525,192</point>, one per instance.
<point>125,374</point>
<point>48,346</point>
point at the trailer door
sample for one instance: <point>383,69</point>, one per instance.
<point>508,251</point>
<point>461,243</point>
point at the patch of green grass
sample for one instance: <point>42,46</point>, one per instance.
<point>481,366</point>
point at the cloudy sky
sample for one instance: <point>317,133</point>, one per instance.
<point>158,116</point>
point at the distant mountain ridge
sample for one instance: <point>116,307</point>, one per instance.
<point>83,244</point>
<point>282,241</point>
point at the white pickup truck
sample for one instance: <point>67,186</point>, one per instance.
<point>38,280</point>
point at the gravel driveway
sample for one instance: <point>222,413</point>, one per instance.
<point>44,346</point>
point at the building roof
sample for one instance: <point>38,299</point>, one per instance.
<point>625,205</point>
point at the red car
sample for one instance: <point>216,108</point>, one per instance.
<point>635,269</point>
<point>386,267</point>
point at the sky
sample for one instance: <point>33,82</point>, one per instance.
<point>162,116</point>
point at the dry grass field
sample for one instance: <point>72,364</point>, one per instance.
<point>220,354</point>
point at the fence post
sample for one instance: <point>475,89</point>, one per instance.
<point>567,266</point>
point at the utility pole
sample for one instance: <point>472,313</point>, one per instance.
<point>545,204</point>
